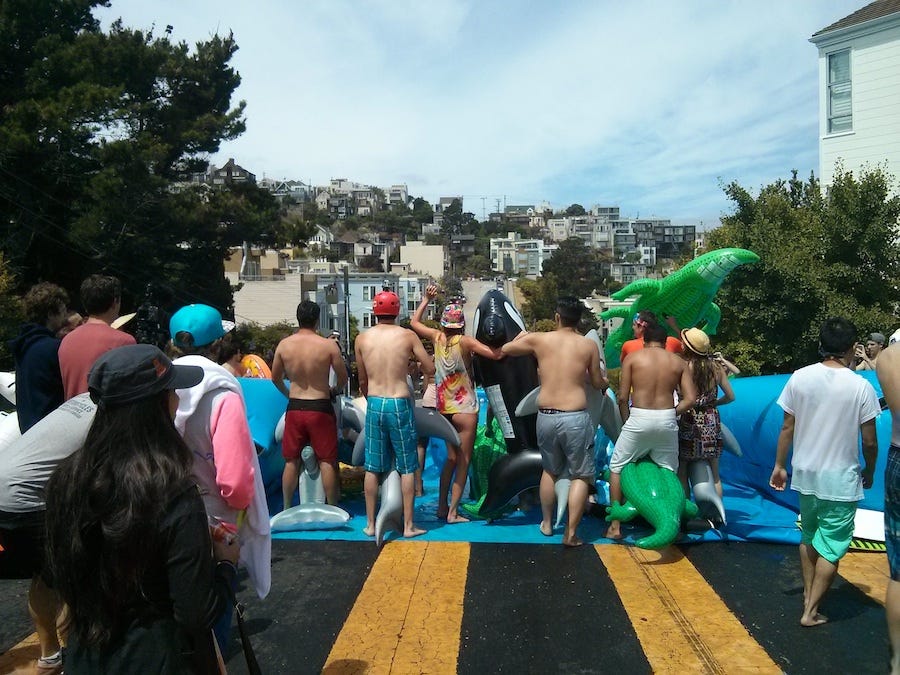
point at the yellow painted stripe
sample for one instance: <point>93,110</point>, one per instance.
<point>869,572</point>
<point>681,622</point>
<point>20,658</point>
<point>408,615</point>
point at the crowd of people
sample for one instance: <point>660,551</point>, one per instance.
<point>132,540</point>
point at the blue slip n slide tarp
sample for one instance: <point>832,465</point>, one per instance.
<point>755,511</point>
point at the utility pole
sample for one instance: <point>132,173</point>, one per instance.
<point>483,215</point>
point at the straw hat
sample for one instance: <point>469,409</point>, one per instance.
<point>696,340</point>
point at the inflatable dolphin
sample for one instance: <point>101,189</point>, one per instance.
<point>390,513</point>
<point>309,517</point>
<point>428,423</point>
<point>8,386</point>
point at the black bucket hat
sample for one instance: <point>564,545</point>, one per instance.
<point>135,372</point>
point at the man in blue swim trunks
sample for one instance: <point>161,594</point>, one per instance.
<point>826,408</point>
<point>888,368</point>
<point>382,355</point>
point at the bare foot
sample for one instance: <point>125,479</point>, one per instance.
<point>613,532</point>
<point>546,529</point>
<point>574,542</point>
<point>420,492</point>
<point>442,512</point>
<point>412,532</point>
<point>456,518</point>
<point>815,620</point>
<point>369,531</point>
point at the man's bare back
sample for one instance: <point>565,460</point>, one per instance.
<point>382,357</point>
<point>563,358</point>
<point>306,359</point>
<point>651,376</point>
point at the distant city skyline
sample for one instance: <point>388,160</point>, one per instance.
<point>650,106</point>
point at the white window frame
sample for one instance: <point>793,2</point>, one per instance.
<point>835,87</point>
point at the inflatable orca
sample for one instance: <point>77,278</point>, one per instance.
<point>509,476</point>
<point>390,513</point>
<point>505,382</point>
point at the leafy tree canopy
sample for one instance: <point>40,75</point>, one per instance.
<point>96,128</point>
<point>575,210</point>
<point>820,256</point>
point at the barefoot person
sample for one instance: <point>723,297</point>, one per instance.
<point>564,429</point>
<point>307,358</point>
<point>651,375</point>
<point>382,356</point>
<point>456,398</point>
<point>826,408</point>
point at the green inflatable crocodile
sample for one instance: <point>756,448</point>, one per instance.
<point>656,495</point>
<point>686,294</point>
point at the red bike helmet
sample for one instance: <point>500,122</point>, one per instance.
<point>386,303</point>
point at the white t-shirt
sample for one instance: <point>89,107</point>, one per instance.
<point>829,405</point>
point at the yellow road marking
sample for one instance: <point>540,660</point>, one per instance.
<point>681,622</point>
<point>869,572</point>
<point>20,658</point>
<point>408,615</point>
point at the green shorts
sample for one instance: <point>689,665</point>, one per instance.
<point>827,525</point>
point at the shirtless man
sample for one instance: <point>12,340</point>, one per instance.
<point>307,359</point>
<point>651,376</point>
<point>382,356</point>
<point>564,429</point>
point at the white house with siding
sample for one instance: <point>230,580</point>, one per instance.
<point>859,85</point>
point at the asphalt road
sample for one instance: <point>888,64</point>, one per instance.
<point>440,607</point>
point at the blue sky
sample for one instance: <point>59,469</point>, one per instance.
<point>648,105</point>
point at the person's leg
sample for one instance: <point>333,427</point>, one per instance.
<point>370,488</point>
<point>823,576</point>
<point>615,496</point>
<point>408,488</point>
<point>465,424</point>
<point>44,606</point>
<point>290,479</point>
<point>420,449</point>
<point>892,613</point>
<point>446,478</point>
<point>683,477</point>
<point>808,558</point>
<point>578,492</point>
<point>714,466</point>
<point>548,502</point>
<point>330,482</point>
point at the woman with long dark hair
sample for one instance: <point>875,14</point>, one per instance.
<point>128,540</point>
<point>700,429</point>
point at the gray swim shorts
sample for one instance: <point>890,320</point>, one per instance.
<point>566,440</point>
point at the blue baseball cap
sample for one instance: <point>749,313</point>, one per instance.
<point>203,322</point>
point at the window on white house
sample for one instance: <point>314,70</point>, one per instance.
<point>368,292</point>
<point>840,113</point>
<point>367,320</point>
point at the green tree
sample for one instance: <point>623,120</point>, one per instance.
<point>422,212</point>
<point>96,130</point>
<point>576,267</point>
<point>575,210</point>
<point>819,257</point>
<point>10,312</point>
<point>452,219</point>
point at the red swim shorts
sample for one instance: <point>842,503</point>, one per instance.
<point>310,423</point>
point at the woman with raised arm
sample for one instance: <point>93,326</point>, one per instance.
<point>456,398</point>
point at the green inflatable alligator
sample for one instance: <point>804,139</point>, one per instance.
<point>686,294</point>
<point>656,495</point>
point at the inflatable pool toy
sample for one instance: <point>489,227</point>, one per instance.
<point>256,367</point>
<point>307,517</point>
<point>8,386</point>
<point>507,381</point>
<point>310,487</point>
<point>686,294</point>
<point>390,512</point>
<point>655,494</point>
<point>561,489</point>
<point>510,476</point>
<point>703,488</point>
